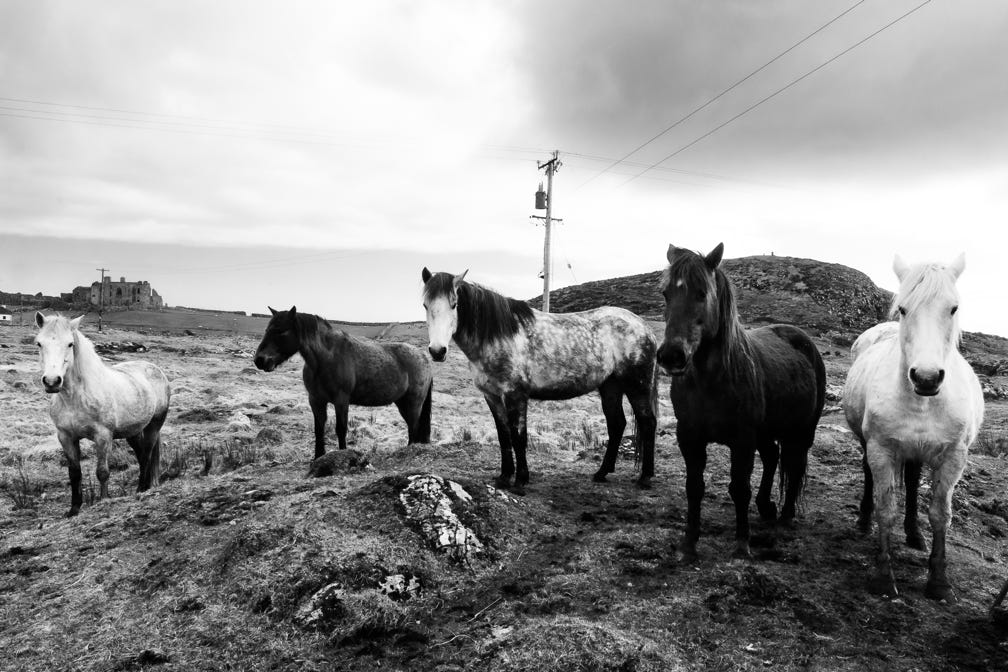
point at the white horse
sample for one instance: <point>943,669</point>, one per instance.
<point>91,400</point>
<point>912,399</point>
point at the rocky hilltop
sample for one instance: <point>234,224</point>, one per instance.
<point>819,296</point>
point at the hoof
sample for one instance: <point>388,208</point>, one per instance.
<point>518,489</point>
<point>864,524</point>
<point>686,553</point>
<point>687,558</point>
<point>767,511</point>
<point>742,551</point>
<point>74,510</point>
<point>916,541</point>
<point>503,482</point>
<point>644,482</point>
<point>600,476</point>
<point>884,586</point>
<point>941,592</point>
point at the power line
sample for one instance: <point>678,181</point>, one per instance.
<point>730,88</point>
<point>777,92</point>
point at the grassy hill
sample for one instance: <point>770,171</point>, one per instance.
<point>819,296</point>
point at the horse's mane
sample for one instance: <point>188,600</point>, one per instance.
<point>484,315</point>
<point>922,284</point>
<point>737,357</point>
<point>312,329</point>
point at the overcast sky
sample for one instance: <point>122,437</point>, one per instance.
<point>239,154</point>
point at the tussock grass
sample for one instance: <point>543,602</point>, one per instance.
<point>21,489</point>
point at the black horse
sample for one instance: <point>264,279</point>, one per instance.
<point>342,370</point>
<point>761,390</point>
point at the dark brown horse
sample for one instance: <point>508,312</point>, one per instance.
<point>342,370</point>
<point>760,390</point>
<point>517,353</point>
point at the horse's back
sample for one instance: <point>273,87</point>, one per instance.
<point>150,382</point>
<point>565,355</point>
<point>384,372</point>
<point>880,332</point>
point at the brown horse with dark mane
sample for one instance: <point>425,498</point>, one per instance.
<point>759,390</point>
<point>342,370</point>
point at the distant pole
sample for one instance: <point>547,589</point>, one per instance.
<point>101,295</point>
<point>551,167</point>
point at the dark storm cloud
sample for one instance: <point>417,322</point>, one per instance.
<point>927,93</point>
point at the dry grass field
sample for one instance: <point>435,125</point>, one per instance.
<point>221,566</point>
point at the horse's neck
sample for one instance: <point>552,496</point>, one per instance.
<point>88,371</point>
<point>323,341</point>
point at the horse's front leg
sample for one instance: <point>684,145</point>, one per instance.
<point>320,411</point>
<point>71,448</point>
<point>742,459</point>
<point>694,454</point>
<point>769,451</point>
<point>883,473</point>
<point>103,445</point>
<point>517,409</point>
<point>943,479</point>
<point>499,412</point>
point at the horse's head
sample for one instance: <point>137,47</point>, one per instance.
<point>280,341</point>
<point>440,300</point>
<point>691,303</point>
<point>57,342</point>
<point>926,306</point>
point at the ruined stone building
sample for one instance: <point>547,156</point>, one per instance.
<point>122,294</point>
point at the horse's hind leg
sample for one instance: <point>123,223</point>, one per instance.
<point>868,498</point>
<point>769,452</point>
<point>499,412</point>
<point>517,414</point>
<point>320,411</point>
<point>612,408</point>
<point>742,459</point>
<point>103,444</point>
<point>794,464</point>
<point>911,477</point>
<point>142,451</point>
<point>644,405</point>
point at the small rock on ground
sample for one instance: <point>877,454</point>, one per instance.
<point>338,462</point>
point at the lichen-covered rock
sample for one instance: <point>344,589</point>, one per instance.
<point>269,436</point>
<point>400,587</point>
<point>427,500</point>
<point>345,461</point>
<point>324,607</point>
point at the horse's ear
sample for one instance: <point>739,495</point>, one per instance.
<point>900,267</point>
<point>958,265</point>
<point>671,252</point>
<point>713,260</point>
<point>426,275</point>
<point>293,311</point>
<point>39,319</point>
<point>273,312</point>
<point>75,323</point>
<point>457,280</point>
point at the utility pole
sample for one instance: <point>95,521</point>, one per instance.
<point>551,167</point>
<point>101,295</point>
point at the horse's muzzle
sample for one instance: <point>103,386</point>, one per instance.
<point>266,364</point>
<point>673,359</point>
<point>52,386</point>
<point>438,353</point>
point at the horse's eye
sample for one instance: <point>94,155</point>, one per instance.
<point>954,309</point>
<point>38,344</point>
<point>452,305</point>
<point>902,311</point>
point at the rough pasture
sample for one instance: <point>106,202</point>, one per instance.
<point>238,561</point>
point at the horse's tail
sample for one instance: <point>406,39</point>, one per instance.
<point>640,445</point>
<point>423,429</point>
